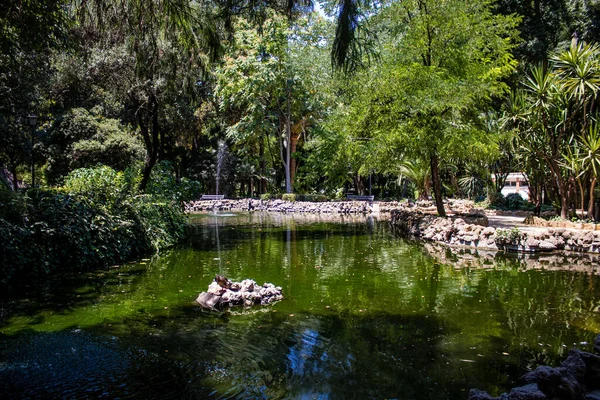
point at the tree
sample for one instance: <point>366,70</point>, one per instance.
<point>548,24</point>
<point>264,83</point>
<point>30,31</point>
<point>555,113</point>
<point>149,53</point>
<point>443,62</point>
<point>80,140</point>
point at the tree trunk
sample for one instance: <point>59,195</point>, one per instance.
<point>151,141</point>
<point>581,198</point>
<point>148,165</point>
<point>262,189</point>
<point>293,163</point>
<point>590,213</point>
<point>288,135</point>
<point>437,185</point>
<point>15,179</point>
<point>358,184</point>
<point>563,193</point>
<point>403,194</point>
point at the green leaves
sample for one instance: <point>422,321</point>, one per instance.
<point>97,218</point>
<point>443,65</point>
<point>590,141</point>
<point>578,69</point>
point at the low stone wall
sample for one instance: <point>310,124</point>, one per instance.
<point>462,207</point>
<point>329,207</point>
<point>457,232</point>
<point>537,221</point>
<point>577,378</point>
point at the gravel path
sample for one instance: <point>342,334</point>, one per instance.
<point>508,221</point>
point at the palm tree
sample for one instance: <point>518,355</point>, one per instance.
<point>572,161</point>
<point>543,130</point>
<point>578,69</point>
<point>475,179</point>
<point>418,172</point>
<point>591,159</point>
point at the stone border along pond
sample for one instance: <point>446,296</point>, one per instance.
<point>329,207</point>
<point>468,257</point>
<point>455,231</point>
<point>467,227</point>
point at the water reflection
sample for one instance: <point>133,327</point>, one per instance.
<point>366,315</point>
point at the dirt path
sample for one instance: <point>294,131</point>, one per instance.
<point>509,221</point>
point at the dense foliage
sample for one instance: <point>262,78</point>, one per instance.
<point>94,219</point>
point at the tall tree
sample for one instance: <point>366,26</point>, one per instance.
<point>265,81</point>
<point>441,63</point>
<point>150,52</point>
<point>556,112</point>
<point>30,30</point>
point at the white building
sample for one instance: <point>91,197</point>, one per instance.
<point>516,182</point>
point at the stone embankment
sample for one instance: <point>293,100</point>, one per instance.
<point>456,231</point>
<point>577,378</point>
<point>462,207</point>
<point>329,207</point>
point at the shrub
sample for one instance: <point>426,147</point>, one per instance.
<point>317,198</point>
<point>496,199</point>
<point>79,139</point>
<point>288,197</point>
<point>102,186</point>
<point>512,236</point>
<point>96,219</point>
<point>270,196</point>
<point>514,201</point>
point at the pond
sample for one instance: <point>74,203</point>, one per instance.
<point>366,315</point>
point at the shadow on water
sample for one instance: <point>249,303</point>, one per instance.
<point>263,355</point>
<point>62,294</point>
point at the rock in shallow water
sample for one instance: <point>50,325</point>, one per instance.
<point>247,292</point>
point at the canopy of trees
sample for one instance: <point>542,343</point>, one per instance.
<point>412,98</point>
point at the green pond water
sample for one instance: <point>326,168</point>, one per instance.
<point>366,315</point>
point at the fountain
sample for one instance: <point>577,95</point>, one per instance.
<point>221,153</point>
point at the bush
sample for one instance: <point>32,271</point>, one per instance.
<point>270,196</point>
<point>514,201</point>
<point>164,185</point>
<point>316,198</point>
<point>79,139</point>
<point>103,186</point>
<point>512,236</point>
<point>496,199</point>
<point>96,219</point>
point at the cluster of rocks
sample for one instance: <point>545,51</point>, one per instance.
<point>577,378</point>
<point>457,231</point>
<point>452,206</point>
<point>224,293</point>
<point>337,207</point>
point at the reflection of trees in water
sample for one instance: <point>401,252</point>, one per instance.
<point>400,322</point>
<point>536,308</point>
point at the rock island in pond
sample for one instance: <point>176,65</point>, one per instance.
<point>224,293</point>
